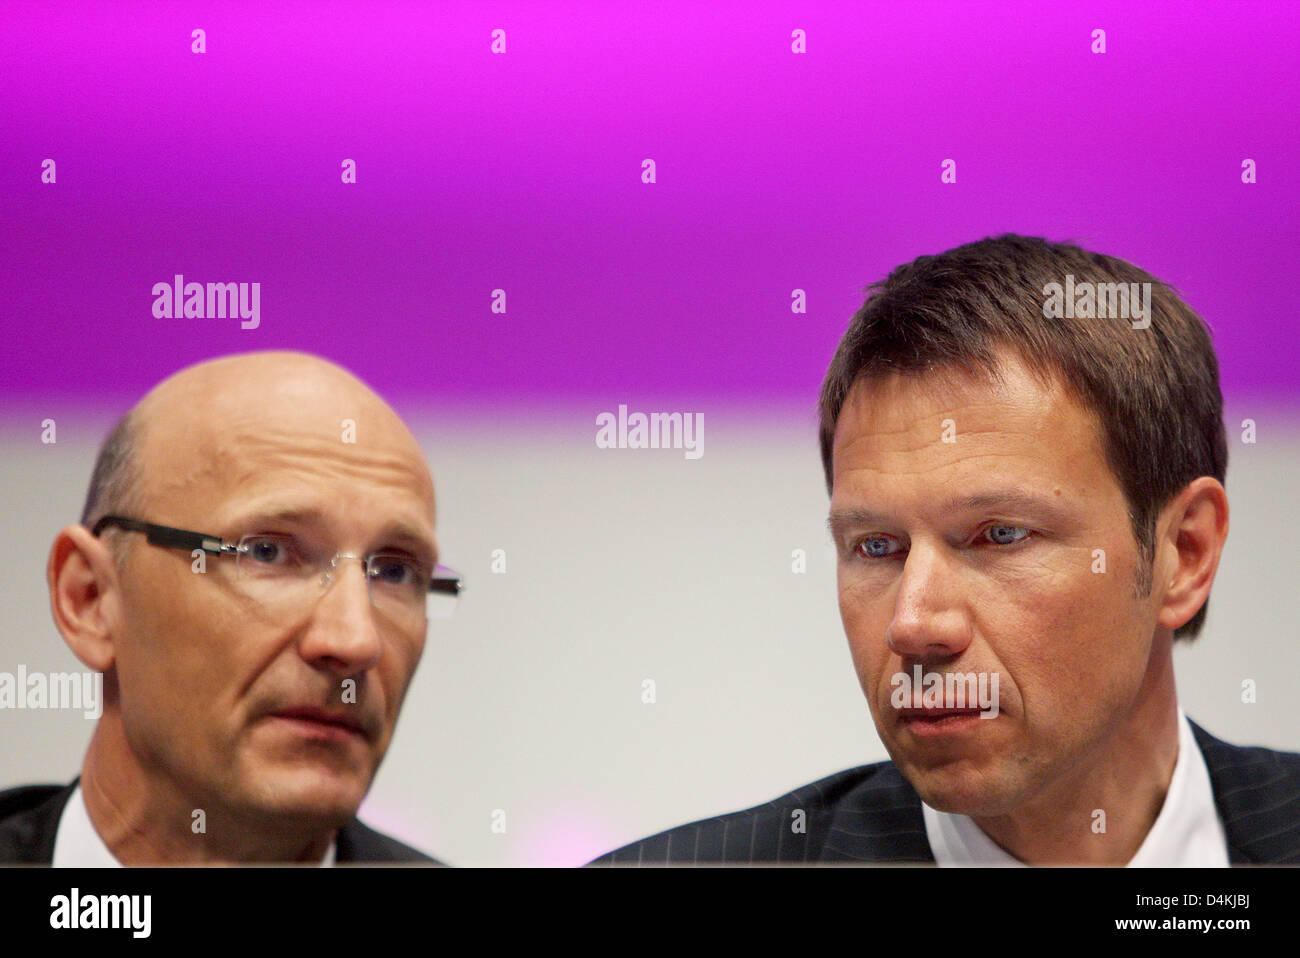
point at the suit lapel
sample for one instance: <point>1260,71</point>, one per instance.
<point>356,842</point>
<point>1257,795</point>
<point>27,836</point>
<point>350,843</point>
<point>879,821</point>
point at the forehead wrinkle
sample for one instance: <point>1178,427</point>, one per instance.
<point>924,428</point>
<point>1019,481</point>
<point>247,458</point>
<point>381,470</point>
<point>282,449</point>
<point>885,481</point>
<point>901,461</point>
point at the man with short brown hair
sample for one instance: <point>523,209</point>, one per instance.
<point>1026,474</point>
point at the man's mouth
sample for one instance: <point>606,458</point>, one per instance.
<point>322,723</point>
<point>936,713</point>
<point>938,721</point>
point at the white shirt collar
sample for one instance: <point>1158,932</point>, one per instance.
<point>78,845</point>
<point>1187,832</point>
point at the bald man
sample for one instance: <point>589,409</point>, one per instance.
<point>252,575</point>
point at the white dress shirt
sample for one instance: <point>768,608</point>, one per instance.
<point>77,844</point>
<point>1187,832</point>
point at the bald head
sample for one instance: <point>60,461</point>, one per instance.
<point>175,435</point>
<point>244,684</point>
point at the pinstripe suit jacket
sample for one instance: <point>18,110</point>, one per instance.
<point>871,814</point>
<point>29,821</point>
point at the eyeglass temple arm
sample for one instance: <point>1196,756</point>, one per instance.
<point>450,585</point>
<point>165,536</point>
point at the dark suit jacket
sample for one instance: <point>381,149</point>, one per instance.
<point>29,819</point>
<point>871,814</point>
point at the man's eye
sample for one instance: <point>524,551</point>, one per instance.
<point>880,547</point>
<point>873,547</point>
<point>270,550</point>
<point>1006,535</point>
<point>397,570</point>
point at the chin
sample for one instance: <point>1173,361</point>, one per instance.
<point>325,797</point>
<point>943,797</point>
<point>959,788</point>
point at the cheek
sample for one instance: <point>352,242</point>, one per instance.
<point>1071,641</point>
<point>168,679</point>
<point>151,650</point>
<point>398,668</point>
<point>865,620</point>
<point>177,655</point>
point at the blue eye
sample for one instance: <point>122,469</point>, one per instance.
<point>997,534</point>
<point>881,547</point>
<point>873,547</point>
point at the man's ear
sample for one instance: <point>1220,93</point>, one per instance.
<point>85,595</point>
<point>1192,543</point>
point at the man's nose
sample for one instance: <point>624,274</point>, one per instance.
<point>930,619</point>
<point>342,635</point>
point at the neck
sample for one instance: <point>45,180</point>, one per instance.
<point>1101,810</point>
<point>144,817</point>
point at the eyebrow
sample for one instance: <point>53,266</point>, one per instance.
<point>1009,499</point>
<point>396,531</point>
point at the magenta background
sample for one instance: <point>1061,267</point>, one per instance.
<point>522,171</point>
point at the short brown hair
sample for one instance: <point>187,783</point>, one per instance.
<point>1155,391</point>
<point>115,484</point>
